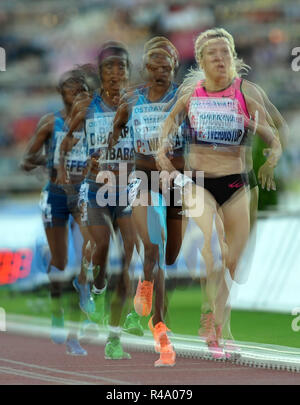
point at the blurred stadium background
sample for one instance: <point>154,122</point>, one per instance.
<point>44,38</point>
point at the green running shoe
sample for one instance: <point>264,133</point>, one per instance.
<point>132,324</point>
<point>114,350</point>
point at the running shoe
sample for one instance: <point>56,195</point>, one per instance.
<point>132,324</point>
<point>207,326</point>
<point>232,350</point>
<point>167,354</point>
<point>216,351</point>
<point>208,331</point>
<point>86,302</point>
<point>155,335</point>
<point>114,350</point>
<point>74,348</point>
<point>143,298</point>
<point>58,333</point>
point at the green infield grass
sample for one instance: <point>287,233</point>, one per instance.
<point>182,316</point>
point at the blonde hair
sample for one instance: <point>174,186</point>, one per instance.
<point>195,75</point>
<point>219,33</point>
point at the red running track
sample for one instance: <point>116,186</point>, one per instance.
<point>28,360</point>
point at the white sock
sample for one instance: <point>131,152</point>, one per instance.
<point>114,331</point>
<point>98,291</point>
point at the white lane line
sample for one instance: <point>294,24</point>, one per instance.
<point>58,371</point>
<point>246,345</point>
<point>177,368</point>
<point>35,376</point>
<point>253,354</point>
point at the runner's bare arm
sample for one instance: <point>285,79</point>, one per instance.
<point>67,144</point>
<point>120,121</point>
<point>265,173</point>
<point>277,119</point>
<point>32,157</point>
<point>170,126</point>
<point>262,128</point>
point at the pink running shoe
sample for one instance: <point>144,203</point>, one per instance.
<point>219,337</point>
<point>216,351</point>
<point>207,326</point>
<point>232,350</point>
<point>211,334</point>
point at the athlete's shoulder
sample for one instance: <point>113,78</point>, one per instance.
<point>47,120</point>
<point>253,91</point>
<point>91,104</point>
<point>251,87</point>
<point>49,117</point>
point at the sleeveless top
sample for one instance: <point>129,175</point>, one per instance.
<point>146,119</point>
<point>75,160</point>
<point>98,126</point>
<point>218,118</point>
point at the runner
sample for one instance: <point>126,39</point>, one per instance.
<point>219,109</point>
<point>145,109</point>
<point>266,181</point>
<point>105,204</point>
<point>59,201</point>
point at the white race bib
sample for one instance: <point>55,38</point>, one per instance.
<point>216,120</point>
<point>75,160</point>
<point>98,130</point>
<point>147,120</point>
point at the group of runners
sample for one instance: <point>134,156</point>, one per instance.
<point>134,164</point>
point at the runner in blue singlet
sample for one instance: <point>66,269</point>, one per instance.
<point>59,201</point>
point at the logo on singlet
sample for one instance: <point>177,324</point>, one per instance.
<point>236,184</point>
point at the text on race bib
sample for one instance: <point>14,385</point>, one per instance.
<point>216,120</point>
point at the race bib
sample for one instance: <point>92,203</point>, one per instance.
<point>98,131</point>
<point>75,160</point>
<point>147,120</point>
<point>216,120</point>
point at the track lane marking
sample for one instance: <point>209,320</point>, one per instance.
<point>43,377</point>
<point>59,371</point>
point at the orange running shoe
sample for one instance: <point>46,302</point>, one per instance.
<point>167,354</point>
<point>143,298</point>
<point>155,334</point>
